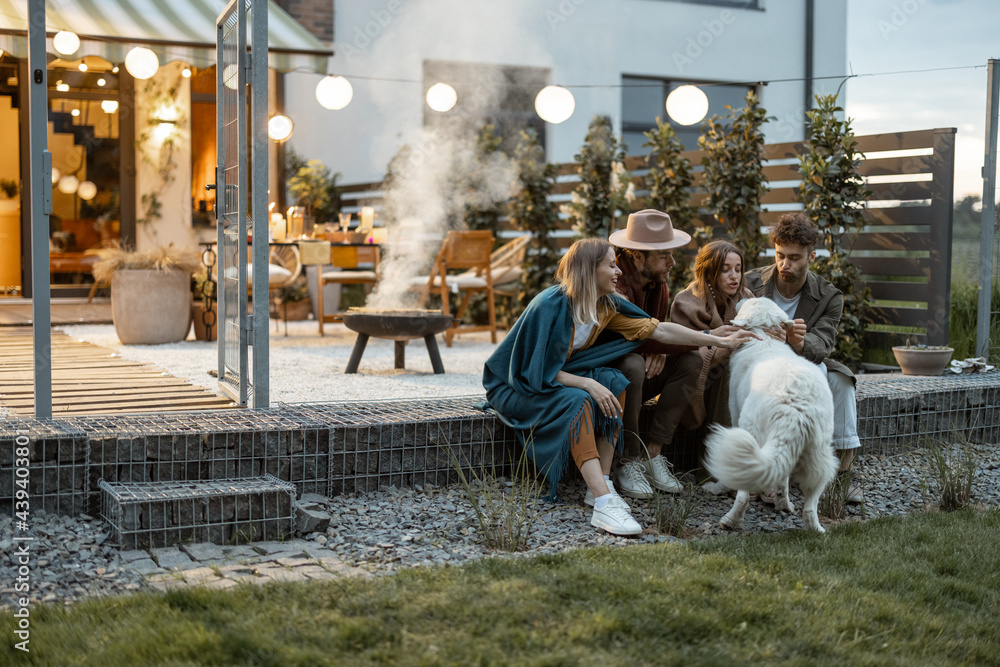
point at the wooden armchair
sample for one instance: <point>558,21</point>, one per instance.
<point>359,266</point>
<point>468,252</point>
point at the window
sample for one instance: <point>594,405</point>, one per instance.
<point>497,94</point>
<point>739,4</point>
<point>644,99</point>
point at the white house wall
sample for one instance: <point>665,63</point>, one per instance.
<point>584,42</point>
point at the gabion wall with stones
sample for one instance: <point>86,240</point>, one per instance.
<point>318,448</point>
<point>360,446</point>
<point>234,511</point>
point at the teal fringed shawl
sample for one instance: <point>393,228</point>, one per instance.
<point>520,383</point>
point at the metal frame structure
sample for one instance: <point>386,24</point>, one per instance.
<point>41,206</point>
<point>241,196</point>
<point>988,231</point>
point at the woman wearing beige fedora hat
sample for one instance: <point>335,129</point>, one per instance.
<point>645,258</point>
<point>549,378</point>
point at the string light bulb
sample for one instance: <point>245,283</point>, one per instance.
<point>441,97</point>
<point>687,105</point>
<point>66,43</point>
<point>554,104</point>
<point>141,63</point>
<point>334,92</point>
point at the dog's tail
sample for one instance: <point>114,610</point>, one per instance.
<point>737,460</point>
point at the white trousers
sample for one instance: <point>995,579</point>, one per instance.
<point>845,409</point>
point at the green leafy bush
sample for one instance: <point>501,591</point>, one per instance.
<point>734,175</point>
<point>605,191</point>
<point>834,195</point>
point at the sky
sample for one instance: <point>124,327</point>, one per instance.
<point>895,35</point>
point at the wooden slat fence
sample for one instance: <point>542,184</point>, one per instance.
<point>904,252</point>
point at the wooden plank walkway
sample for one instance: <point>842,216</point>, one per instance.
<point>91,380</point>
<point>20,314</point>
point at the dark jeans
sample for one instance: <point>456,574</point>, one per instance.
<point>674,385</point>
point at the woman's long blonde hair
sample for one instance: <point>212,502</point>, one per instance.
<point>708,265</point>
<point>577,273</point>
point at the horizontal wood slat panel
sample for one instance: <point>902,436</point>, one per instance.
<point>894,266</point>
<point>899,291</point>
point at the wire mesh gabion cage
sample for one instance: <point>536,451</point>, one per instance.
<point>45,461</point>
<point>896,412</point>
<point>151,515</point>
<point>375,444</point>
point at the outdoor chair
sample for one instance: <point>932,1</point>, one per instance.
<point>358,266</point>
<point>467,252</point>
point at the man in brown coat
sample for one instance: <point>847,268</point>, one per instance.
<point>645,257</point>
<point>816,307</point>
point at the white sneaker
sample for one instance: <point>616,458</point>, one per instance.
<point>589,498</point>
<point>615,519</point>
<point>658,471</point>
<point>632,480</point>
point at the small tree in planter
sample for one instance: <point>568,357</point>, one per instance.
<point>834,196</point>
<point>605,191</point>
<point>734,175</point>
<point>668,181</point>
<point>531,211</point>
<point>484,212</point>
<point>150,292</point>
<point>314,187</point>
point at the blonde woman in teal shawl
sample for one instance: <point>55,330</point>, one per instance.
<point>549,381</point>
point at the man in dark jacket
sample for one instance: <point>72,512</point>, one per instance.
<point>645,257</point>
<point>816,307</point>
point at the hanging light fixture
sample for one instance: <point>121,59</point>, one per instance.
<point>554,104</point>
<point>141,63</point>
<point>83,67</point>
<point>279,128</point>
<point>101,82</point>
<point>109,106</point>
<point>334,92</point>
<point>186,72</point>
<point>441,97</point>
<point>68,184</point>
<point>687,105</point>
<point>230,76</point>
<point>87,190</point>
<point>62,87</point>
<point>56,174</point>
<point>66,43</point>
<point>74,113</point>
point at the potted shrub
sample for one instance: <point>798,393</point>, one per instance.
<point>922,359</point>
<point>150,293</point>
<point>204,307</point>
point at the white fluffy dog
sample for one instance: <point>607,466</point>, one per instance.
<point>783,412</point>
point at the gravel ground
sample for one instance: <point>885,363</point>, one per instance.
<point>393,528</point>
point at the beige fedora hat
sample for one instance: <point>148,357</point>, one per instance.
<point>649,229</point>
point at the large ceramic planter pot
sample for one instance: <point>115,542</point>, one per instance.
<point>922,360</point>
<point>151,307</point>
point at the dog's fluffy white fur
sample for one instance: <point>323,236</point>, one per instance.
<point>782,410</point>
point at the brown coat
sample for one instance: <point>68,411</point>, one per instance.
<point>700,314</point>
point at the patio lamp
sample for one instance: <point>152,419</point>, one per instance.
<point>334,92</point>
<point>554,104</point>
<point>279,128</point>
<point>441,97</point>
<point>65,42</point>
<point>141,63</point>
<point>687,105</point>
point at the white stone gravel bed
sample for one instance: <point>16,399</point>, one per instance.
<point>306,367</point>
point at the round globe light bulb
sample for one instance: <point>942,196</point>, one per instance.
<point>87,190</point>
<point>74,113</point>
<point>102,81</point>
<point>109,106</point>
<point>279,128</point>
<point>441,97</point>
<point>687,105</point>
<point>68,184</point>
<point>334,92</point>
<point>83,67</point>
<point>186,72</point>
<point>66,43</point>
<point>554,104</point>
<point>55,175</point>
<point>141,63</point>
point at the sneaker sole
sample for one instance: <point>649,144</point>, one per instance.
<point>614,531</point>
<point>638,495</point>
<point>668,489</point>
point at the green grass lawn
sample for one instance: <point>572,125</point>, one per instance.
<point>917,590</point>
